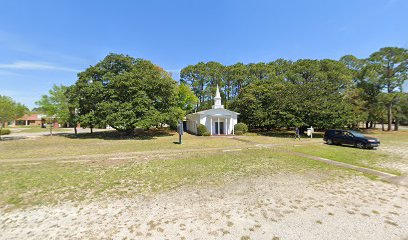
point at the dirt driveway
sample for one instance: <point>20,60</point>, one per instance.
<point>310,206</point>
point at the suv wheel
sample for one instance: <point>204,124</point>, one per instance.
<point>360,145</point>
<point>329,141</point>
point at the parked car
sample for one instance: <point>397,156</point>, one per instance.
<point>349,137</point>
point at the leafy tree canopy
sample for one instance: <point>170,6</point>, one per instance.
<point>10,110</point>
<point>126,93</point>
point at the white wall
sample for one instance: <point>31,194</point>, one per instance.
<point>192,121</point>
<point>229,122</point>
<point>195,119</point>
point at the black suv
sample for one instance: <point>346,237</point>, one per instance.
<point>349,137</point>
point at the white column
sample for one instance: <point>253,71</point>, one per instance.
<point>211,126</point>
<point>225,126</point>
<point>233,130</point>
<point>229,125</point>
<point>218,125</point>
<point>26,122</point>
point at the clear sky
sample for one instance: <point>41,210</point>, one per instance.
<point>47,42</point>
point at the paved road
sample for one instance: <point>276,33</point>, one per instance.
<point>14,135</point>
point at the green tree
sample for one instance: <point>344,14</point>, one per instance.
<point>309,92</point>
<point>55,105</point>
<point>402,110</point>
<point>391,64</point>
<point>237,76</point>
<point>126,93</point>
<point>73,99</point>
<point>195,76</point>
<point>186,100</point>
<point>203,79</point>
<point>366,89</point>
<point>10,110</point>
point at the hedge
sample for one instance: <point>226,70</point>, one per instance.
<point>239,133</point>
<point>202,130</point>
<point>240,128</point>
<point>5,131</point>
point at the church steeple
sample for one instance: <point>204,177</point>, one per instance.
<point>217,99</point>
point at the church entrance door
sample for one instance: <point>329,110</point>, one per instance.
<point>221,129</point>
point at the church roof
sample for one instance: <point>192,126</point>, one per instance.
<point>216,111</point>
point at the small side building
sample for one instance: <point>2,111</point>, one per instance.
<point>30,120</point>
<point>218,120</point>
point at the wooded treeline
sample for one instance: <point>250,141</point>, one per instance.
<point>320,93</point>
<point>127,93</point>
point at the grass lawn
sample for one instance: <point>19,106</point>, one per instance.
<point>365,158</point>
<point>49,182</point>
<point>27,181</point>
<point>351,155</point>
<point>103,143</point>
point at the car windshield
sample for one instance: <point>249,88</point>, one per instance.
<point>357,134</point>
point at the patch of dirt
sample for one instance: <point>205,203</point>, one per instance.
<point>307,206</point>
<point>400,161</point>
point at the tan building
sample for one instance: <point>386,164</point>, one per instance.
<point>30,120</point>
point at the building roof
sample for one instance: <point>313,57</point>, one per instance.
<point>35,117</point>
<point>216,111</point>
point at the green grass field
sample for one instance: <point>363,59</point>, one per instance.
<point>107,143</point>
<point>364,158</point>
<point>26,184</point>
<point>34,171</point>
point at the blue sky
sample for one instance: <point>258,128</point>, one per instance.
<point>47,42</point>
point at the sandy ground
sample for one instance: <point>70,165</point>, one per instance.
<point>401,152</point>
<point>307,206</point>
<point>17,134</point>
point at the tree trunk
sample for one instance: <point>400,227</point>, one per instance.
<point>396,124</point>
<point>91,130</point>
<point>75,130</point>
<point>1,130</point>
<point>389,117</point>
<point>51,126</point>
<point>366,124</point>
<point>382,125</point>
<point>371,124</point>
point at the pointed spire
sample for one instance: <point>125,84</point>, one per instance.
<point>217,94</point>
<point>217,99</point>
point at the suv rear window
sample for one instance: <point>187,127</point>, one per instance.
<point>334,132</point>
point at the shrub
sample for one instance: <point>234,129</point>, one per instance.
<point>239,133</point>
<point>5,131</point>
<point>240,128</point>
<point>202,130</point>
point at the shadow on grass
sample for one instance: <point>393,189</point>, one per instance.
<point>116,135</point>
<point>351,146</point>
<point>11,138</point>
<point>286,134</point>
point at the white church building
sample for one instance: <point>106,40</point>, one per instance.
<point>218,120</point>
